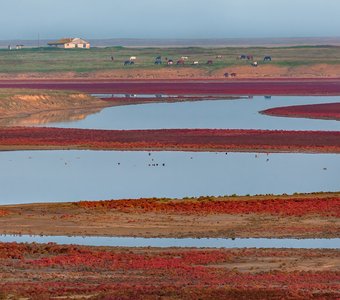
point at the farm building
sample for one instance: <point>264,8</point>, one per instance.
<point>71,43</point>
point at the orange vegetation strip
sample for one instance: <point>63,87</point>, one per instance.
<point>171,139</point>
<point>329,206</point>
<point>50,270</point>
<point>315,111</point>
<point>3,213</point>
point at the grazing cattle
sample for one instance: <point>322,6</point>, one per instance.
<point>233,75</point>
<point>226,74</point>
<point>128,62</point>
<point>218,56</point>
<point>250,57</point>
<point>195,63</point>
<point>184,58</point>
<point>133,58</point>
<point>180,62</point>
<point>242,56</point>
<point>255,64</point>
<point>267,58</point>
<point>170,62</point>
<point>209,62</point>
<point>158,62</point>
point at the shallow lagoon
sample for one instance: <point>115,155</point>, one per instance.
<point>59,176</point>
<point>230,114</point>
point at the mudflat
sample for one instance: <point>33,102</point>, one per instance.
<point>22,138</point>
<point>294,216</point>
<point>330,111</point>
<point>76,272</point>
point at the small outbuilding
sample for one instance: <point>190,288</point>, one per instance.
<point>71,43</point>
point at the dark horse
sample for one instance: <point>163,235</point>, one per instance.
<point>128,62</point>
<point>267,58</point>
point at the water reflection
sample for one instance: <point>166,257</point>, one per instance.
<point>47,117</point>
<point>103,96</point>
<point>56,176</point>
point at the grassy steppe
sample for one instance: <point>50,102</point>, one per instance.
<point>46,60</point>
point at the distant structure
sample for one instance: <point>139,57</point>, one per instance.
<point>71,43</point>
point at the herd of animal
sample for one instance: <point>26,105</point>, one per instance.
<point>184,59</point>
<point>267,58</point>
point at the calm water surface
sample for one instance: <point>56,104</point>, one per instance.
<point>173,242</point>
<point>59,176</point>
<point>233,114</point>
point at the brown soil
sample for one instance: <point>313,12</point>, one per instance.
<point>270,71</point>
<point>70,219</point>
<point>262,71</point>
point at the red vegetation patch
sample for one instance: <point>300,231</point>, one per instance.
<point>210,205</point>
<point>45,270</point>
<point>314,111</point>
<point>180,87</point>
<point>3,213</point>
<point>171,139</point>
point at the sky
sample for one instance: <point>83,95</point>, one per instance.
<point>26,19</point>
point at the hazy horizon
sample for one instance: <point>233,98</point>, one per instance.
<point>222,42</point>
<point>168,19</point>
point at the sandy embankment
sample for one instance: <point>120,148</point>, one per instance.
<point>297,216</point>
<point>41,106</point>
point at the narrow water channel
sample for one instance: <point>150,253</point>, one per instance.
<point>173,242</point>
